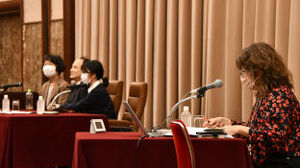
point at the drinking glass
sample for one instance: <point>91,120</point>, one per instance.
<point>15,105</point>
<point>198,120</point>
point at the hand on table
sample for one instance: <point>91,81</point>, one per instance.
<point>54,107</point>
<point>237,130</point>
<point>217,122</point>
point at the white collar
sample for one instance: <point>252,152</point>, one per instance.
<point>92,87</point>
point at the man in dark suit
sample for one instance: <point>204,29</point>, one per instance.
<point>78,87</point>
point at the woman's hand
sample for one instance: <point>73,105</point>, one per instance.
<point>237,130</point>
<point>217,122</point>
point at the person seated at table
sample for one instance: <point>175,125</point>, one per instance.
<point>53,66</point>
<point>273,128</point>
<point>98,100</point>
<point>79,89</point>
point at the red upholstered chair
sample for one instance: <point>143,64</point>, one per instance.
<point>183,145</point>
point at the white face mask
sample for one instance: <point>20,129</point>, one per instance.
<point>49,70</point>
<point>84,78</point>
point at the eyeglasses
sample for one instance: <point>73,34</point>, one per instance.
<point>242,72</point>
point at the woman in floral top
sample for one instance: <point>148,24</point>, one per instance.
<point>273,129</point>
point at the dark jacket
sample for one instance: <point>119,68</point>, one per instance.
<point>97,101</point>
<point>77,93</point>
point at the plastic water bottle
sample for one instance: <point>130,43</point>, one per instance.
<point>186,116</point>
<point>40,105</point>
<point>5,104</point>
<point>29,100</point>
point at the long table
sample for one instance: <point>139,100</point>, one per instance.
<point>120,149</point>
<point>37,141</point>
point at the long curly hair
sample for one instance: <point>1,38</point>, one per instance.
<point>265,66</point>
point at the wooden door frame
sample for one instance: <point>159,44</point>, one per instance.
<point>10,7</point>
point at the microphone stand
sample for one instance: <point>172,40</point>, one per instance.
<point>59,94</point>
<point>175,107</point>
<point>3,89</point>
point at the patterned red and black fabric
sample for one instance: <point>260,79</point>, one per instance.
<point>182,143</point>
<point>275,125</point>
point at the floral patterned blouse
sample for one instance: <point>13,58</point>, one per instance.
<point>275,125</point>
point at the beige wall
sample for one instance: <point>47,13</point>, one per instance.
<point>32,11</point>
<point>56,9</point>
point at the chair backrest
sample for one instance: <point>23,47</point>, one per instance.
<point>115,90</point>
<point>137,100</point>
<point>183,145</point>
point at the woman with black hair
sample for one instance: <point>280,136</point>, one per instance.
<point>52,68</point>
<point>98,100</point>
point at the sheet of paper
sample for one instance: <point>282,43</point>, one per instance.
<point>15,112</point>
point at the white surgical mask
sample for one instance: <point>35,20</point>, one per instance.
<point>84,78</point>
<point>49,70</point>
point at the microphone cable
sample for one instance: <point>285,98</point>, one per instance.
<point>138,144</point>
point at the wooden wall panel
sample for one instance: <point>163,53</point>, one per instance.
<point>56,42</point>
<point>32,56</point>
<point>10,50</point>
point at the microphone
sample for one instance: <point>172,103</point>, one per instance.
<point>174,108</point>
<point>5,87</point>
<point>216,84</point>
<point>59,94</point>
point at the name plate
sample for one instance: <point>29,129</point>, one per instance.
<point>97,125</point>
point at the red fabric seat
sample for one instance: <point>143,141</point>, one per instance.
<point>183,145</point>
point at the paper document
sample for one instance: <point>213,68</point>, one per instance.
<point>15,112</point>
<point>195,131</point>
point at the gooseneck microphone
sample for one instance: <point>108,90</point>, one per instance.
<point>56,97</point>
<point>5,87</point>
<point>200,93</point>
<point>216,84</point>
<point>174,108</point>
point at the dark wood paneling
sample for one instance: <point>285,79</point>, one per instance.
<point>32,56</point>
<point>56,41</point>
<point>10,50</point>
<point>10,7</point>
<point>45,26</point>
<point>46,10</point>
<point>69,35</point>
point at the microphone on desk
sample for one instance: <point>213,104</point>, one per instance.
<point>5,87</point>
<point>200,93</point>
<point>174,108</point>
